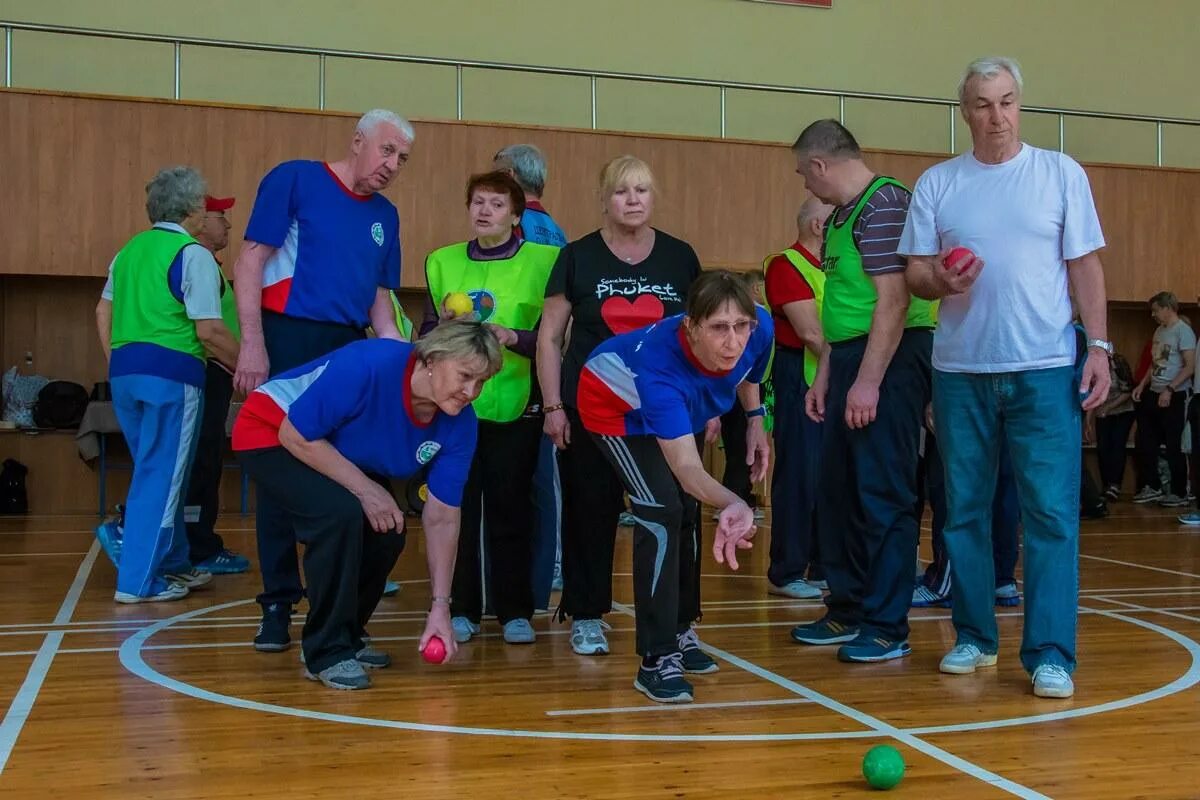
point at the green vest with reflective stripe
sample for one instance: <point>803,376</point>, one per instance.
<point>815,279</point>
<point>850,295</point>
<point>403,323</point>
<point>143,308</point>
<point>508,292</point>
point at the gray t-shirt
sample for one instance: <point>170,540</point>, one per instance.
<point>1170,343</point>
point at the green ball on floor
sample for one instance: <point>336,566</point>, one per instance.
<point>883,766</point>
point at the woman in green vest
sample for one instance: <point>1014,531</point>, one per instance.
<point>499,279</point>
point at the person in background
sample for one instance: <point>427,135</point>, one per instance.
<point>1108,427</point>
<point>527,166</point>
<point>1161,413</point>
<point>159,319</point>
<point>1193,517</point>
<point>736,475</point>
<point>621,277</point>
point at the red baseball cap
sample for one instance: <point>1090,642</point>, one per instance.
<point>218,203</point>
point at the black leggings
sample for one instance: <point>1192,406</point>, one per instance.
<point>346,563</point>
<point>666,542</point>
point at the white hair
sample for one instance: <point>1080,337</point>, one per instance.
<point>988,68</point>
<point>370,120</point>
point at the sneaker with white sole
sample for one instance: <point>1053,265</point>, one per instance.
<point>519,631</point>
<point>759,514</point>
<point>273,635</point>
<point>824,631</point>
<point>174,591</point>
<point>1191,518</point>
<point>867,649</point>
<point>965,659</point>
<point>1112,494</point>
<point>192,579</point>
<point>345,675</point>
<point>694,659</point>
<point>798,589</point>
<point>226,562</point>
<point>626,520</point>
<point>372,657</point>
<point>1051,680</point>
<point>1173,501</point>
<point>820,583</point>
<point>1147,495</point>
<point>663,682</point>
<point>587,637</point>
<point>924,597</point>
<point>464,629</point>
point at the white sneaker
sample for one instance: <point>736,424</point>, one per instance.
<point>587,637</point>
<point>192,579</point>
<point>464,629</point>
<point>174,591</point>
<point>1051,680</point>
<point>964,659</point>
<point>798,589</point>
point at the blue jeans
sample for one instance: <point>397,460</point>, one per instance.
<point>1037,415</point>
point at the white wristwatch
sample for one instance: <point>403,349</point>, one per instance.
<point>1103,345</point>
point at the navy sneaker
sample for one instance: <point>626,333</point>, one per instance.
<point>824,631</point>
<point>664,682</point>
<point>225,562</point>
<point>924,597</point>
<point>273,635</point>
<point>694,659</point>
<point>109,534</point>
<point>1007,595</point>
<point>868,649</point>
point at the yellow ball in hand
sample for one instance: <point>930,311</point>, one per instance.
<point>458,303</point>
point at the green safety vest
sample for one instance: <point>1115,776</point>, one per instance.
<point>403,323</point>
<point>229,308</point>
<point>508,292</point>
<point>143,308</point>
<point>815,279</point>
<point>850,295</point>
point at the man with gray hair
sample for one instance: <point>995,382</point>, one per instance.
<point>1007,370</point>
<point>322,252</point>
<point>159,317</point>
<point>527,165</point>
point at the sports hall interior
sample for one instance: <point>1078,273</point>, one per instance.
<point>170,701</point>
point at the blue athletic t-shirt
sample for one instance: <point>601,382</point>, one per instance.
<point>358,399</point>
<point>334,248</point>
<point>539,227</point>
<point>648,382</point>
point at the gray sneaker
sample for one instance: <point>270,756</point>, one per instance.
<point>191,579</point>
<point>174,591</point>
<point>587,637</point>
<point>519,631</point>
<point>1051,680</point>
<point>345,675</point>
<point>372,658</point>
<point>798,589</point>
<point>1147,495</point>
<point>1172,501</point>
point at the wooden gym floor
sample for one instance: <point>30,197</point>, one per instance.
<point>170,700</point>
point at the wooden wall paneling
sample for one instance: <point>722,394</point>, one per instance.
<point>76,167</point>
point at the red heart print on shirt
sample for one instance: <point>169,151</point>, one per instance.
<point>622,316</point>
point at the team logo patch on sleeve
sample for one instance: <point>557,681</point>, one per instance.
<point>377,233</point>
<point>427,451</point>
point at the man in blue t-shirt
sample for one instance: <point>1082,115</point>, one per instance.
<point>527,165</point>
<point>644,397</point>
<point>322,252</point>
<point>323,439</point>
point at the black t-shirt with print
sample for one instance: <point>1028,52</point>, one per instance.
<point>609,297</point>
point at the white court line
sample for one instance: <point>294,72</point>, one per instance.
<point>579,712</point>
<point>22,703</point>
<point>874,723</point>
<point>1142,566</point>
<point>1169,612</point>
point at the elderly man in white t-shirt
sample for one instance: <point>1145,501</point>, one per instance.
<point>1005,363</point>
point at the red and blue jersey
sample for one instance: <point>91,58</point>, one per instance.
<point>333,247</point>
<point>649,383</point>
<point>358,399</point>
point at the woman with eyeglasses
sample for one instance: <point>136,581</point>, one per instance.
<point>644,398</point>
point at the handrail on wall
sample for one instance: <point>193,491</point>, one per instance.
<point>323,53</point>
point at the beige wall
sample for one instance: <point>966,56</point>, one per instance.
<point>1133,57</point>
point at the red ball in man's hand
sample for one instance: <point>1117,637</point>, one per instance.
<point>957,259</point>
<point>435,651</point>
